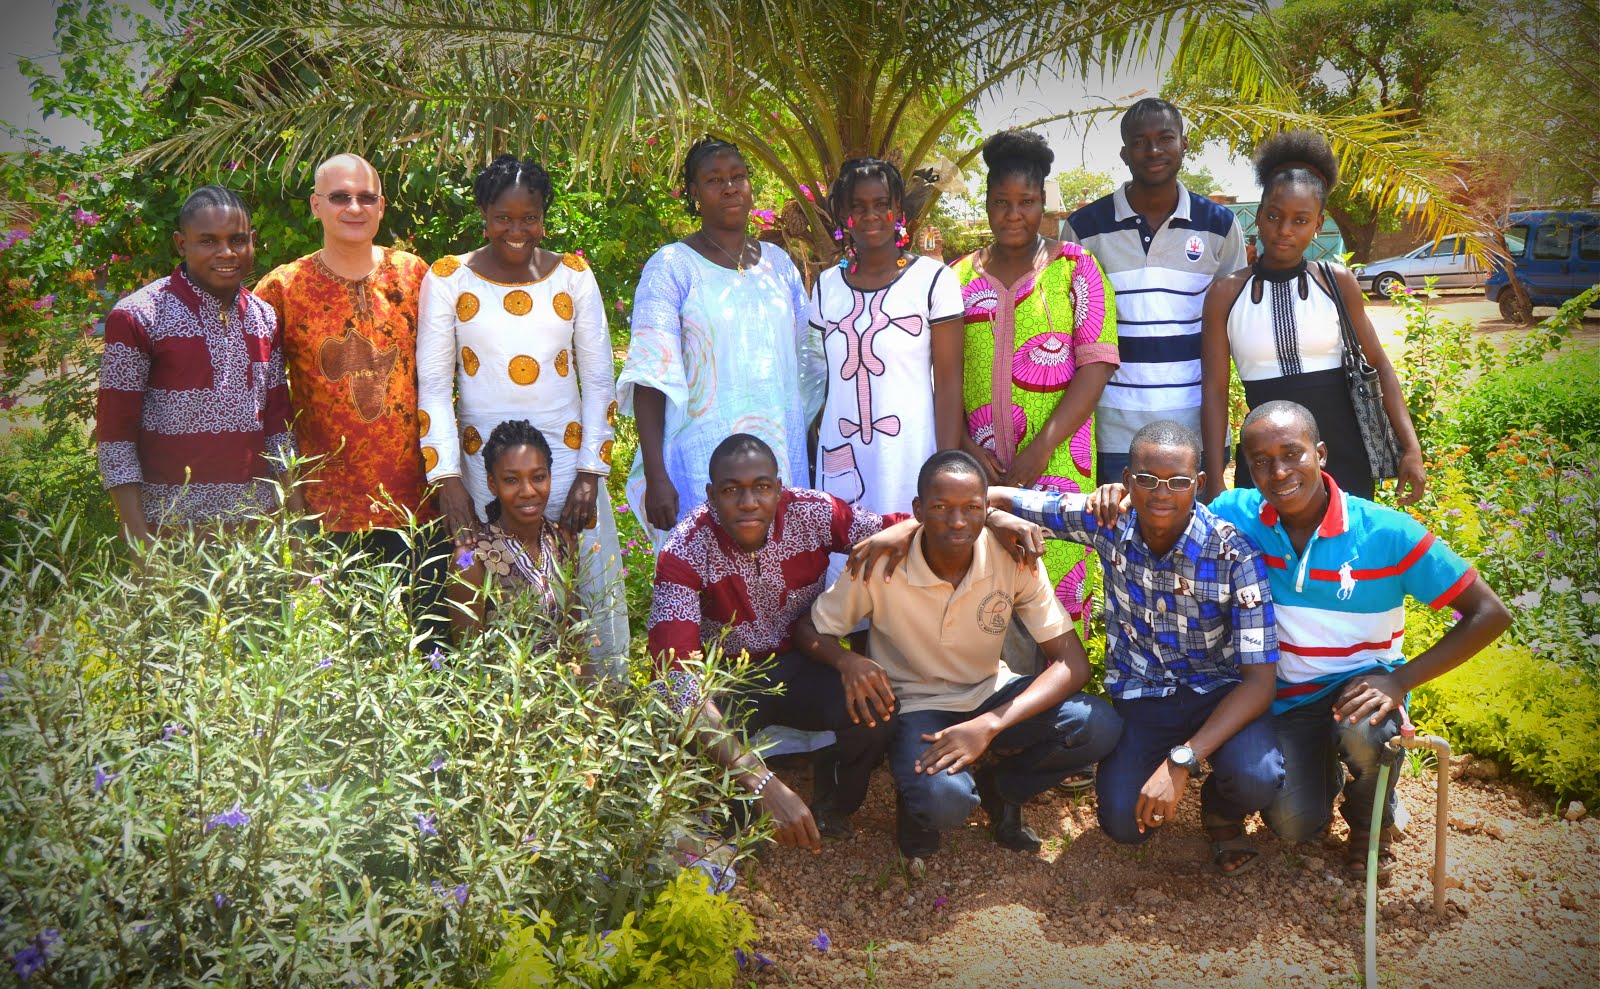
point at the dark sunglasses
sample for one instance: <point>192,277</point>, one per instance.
<point>342,199</point>
<point>1150,482</point>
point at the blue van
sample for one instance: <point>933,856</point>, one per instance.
<point>1556,254</point>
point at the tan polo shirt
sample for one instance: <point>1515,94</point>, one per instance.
<point>940,645</point>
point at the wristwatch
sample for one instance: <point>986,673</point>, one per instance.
<point>1184,758</point>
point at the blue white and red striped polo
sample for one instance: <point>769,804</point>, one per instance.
<point>1341,604</point>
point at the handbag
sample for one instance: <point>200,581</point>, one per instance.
<point>1366,393</point>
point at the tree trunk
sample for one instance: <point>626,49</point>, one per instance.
<point>1358,237</point>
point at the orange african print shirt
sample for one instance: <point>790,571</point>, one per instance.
<point>351,350</point>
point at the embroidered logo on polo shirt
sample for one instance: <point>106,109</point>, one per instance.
<point>1194,248</point>
<point>1347,579</point>
<point>994,612</point>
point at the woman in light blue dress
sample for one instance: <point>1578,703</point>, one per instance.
<point>720,346</point>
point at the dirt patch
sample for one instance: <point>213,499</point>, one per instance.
<point>1086,912</point>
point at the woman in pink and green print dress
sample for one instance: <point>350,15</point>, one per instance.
<point>1041,342</point>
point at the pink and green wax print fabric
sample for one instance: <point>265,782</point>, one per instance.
<point>1023,346</point>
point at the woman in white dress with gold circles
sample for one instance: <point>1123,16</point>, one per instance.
<point>517,329</point>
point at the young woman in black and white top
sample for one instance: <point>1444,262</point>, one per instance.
<point>1276,320</point>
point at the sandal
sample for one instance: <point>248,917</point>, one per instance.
<point>1222,849</point>
<point>1355,854</point>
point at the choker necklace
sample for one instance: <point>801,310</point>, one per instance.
<point>1267,274</point>
<point>738,262</point>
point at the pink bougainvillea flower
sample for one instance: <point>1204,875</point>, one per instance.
<point>84,218</point>
<point>805,190</point>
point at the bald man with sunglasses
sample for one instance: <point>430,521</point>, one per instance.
<point>1191,648</point>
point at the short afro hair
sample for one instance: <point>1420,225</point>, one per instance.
<point>1297,158</point>
<point>1150,106</point>
<point>1018,152</point>
<point>741,445</point>
<point>1283,409</point>
<point>1166,432</point>
<point>948,462</point>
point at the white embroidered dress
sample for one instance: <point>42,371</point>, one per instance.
<point>521,351</point>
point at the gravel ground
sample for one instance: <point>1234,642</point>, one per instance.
<point>1085,912</point>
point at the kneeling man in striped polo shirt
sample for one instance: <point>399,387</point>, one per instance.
<point>1341,568</point>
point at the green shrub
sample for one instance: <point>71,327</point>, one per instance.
<point>57,475</point>
<point>1541,717</point>
<point>232,768</point>
<point>690,938</point>
<point>1561,396</point>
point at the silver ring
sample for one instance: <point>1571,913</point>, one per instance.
<point>1157,818</point>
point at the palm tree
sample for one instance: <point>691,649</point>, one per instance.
<point>801,85</point>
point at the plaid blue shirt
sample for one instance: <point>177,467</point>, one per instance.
<point>1189,618</point>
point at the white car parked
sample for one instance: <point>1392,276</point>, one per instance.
<point>1448,261</point>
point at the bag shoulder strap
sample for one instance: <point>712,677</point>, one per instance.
<point>1347,328</point>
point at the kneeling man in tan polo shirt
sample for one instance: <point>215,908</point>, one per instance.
<point>937,625</point>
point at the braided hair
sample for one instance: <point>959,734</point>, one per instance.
<point>506,171</point>
<point>508,435</point>
<point>210,197</point>
<point>851,174</point>
<point>699,152</point>
<point>1018,152</point>
<point>1297,158</point>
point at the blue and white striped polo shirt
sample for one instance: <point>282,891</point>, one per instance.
<point>1160,278</point>
<point>1341,604</point>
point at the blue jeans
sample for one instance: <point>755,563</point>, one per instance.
<point>1246,771</point>
<point>1032,756</point>
<point>1316,751</point>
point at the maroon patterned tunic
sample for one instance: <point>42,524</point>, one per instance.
<point>704,582</point>
<point>193,401</point>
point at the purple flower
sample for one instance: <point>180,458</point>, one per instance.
<point>1517,523</point>
<point>437,764</point>
<point>30,960</point>
<point>1484,505</point>
<point>822,941</point>
<point>602,877</point>
<point>427,824</point>
<point>101,778</point>
<point>316,581</point>
<point>172,731</point>
<point>326,663</point>
<point>1455,615</point>
<point>13,236</point>
<point>44,302</point>
<point>464,559</point>
<point>1569,499</point>
<point>234,166</point>
<point>220,899</point>
<point>1527,510</point>
<point>1453,512</point>
<point>436,658</point>
<point>460,893</point>
<point>234,818</point>
<point>941,903</point>
<point>84,218</point>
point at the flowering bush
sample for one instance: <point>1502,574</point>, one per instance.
<point>232,766</point>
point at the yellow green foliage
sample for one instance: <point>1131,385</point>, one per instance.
<point>689,938</point>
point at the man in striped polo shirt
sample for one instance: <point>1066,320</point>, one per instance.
<point>1162,246</point>
<point>1341,568</point>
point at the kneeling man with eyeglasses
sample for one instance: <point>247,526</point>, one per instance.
<point>1191,647</point>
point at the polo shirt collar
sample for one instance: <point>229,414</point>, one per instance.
<point>1125,210</point>
<point>919,574</point>
<point>1193,534</point>
<point>1336,522</point>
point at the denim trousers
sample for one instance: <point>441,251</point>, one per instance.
<point>1247,770</point>
<point>1031,756</point>
<point>1317,751</point>
<point>813,700</point>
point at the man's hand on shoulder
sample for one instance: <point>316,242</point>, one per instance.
<point>1021,539</point>
<point>891,546</point>
<point>1107,503</point>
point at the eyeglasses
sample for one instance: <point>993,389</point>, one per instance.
<point>1150,482</point>
<point>342,199</point>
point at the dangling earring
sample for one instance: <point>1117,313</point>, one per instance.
<point>901,238</point>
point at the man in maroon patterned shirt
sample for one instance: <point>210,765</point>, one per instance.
<point>751,559</point>
<point>193,403</point>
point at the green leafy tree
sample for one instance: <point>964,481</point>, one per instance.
<point>1200,180</point>
<point>1083,186</point>
<point>801,87</point>
<point>1384,60</point>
